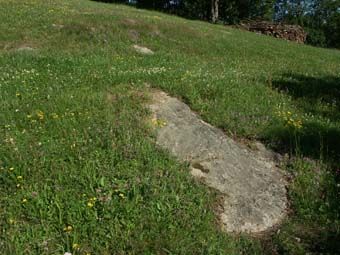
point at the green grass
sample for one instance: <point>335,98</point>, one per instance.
<point>72,128</point>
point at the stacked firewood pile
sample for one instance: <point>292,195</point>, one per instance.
<point>278,30</point>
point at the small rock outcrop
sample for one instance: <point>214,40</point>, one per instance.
<point>252,187</point>
<point>24,48</point>
<point>143,50</point>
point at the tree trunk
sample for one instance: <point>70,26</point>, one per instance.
<point>214,10</point>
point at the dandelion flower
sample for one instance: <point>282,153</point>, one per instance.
<point>158,123</point>
<point>162,124</point>
<point>76,246</point>
<point>90,204</point>
<point>154,121</point>
<point>19,178</point>
<point>40,115</point>
<point>24,200</point>
<point>55,116</point>
<point>68,229</point>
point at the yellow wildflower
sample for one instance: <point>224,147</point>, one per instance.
<point>90,204</point>
<point>24,200</point>
<point>40,115</point>
<point>93,199</point>
<point>298,124</point>
<point>19,178</point>
<point>18,94</point>
<point>68,229</point>
<point>55,116</point>
<point>154,121</point>
<point>158,123</point>
<point>162,123</point>
<point>75,246</point>
<point>289,119</point>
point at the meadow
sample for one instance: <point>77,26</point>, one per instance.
<point>79,168</point>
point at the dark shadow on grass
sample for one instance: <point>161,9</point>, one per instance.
<point>315,140</point>
<point>310,239</point>
<point>321,98</point>
<point>298,85</point>
<point>316,95</point>
<point>319,138</point>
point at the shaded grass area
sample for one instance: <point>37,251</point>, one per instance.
<point>317,96</point>
<point>77,150</point>
<point>315,189</point>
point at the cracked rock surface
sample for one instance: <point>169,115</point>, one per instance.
<point>253,188</point>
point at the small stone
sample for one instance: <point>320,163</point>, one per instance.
<point>57,26</point>
<point>24,48</point>
<point>143,50</point>
<point>133,35</point>
<point>131,22</point>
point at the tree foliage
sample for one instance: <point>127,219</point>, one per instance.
<point>321,19</point>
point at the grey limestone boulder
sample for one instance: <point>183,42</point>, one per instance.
<point>253,188</point>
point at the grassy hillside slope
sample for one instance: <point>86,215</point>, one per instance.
<point>79,170</point>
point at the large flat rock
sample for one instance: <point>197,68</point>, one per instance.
<point>252,186</point>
